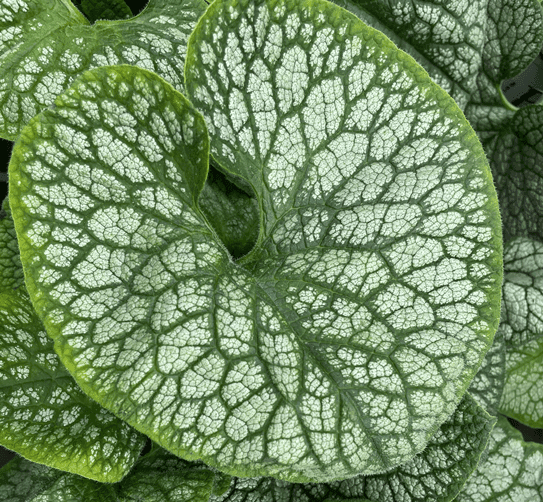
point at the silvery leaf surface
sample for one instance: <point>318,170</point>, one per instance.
<point>487,385</point>
<point>511,137</point>
<point>522,327</point>
<point>437,474</point>
<point>46,44</point>
<point>348,335</point>
<point>44,415</point>
<point>512,472</point>
<point>157,477</point>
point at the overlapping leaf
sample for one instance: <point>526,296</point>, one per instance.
<point>487,385</point>
<point>157,477</point>
<point>46,44</point>
<point>513,471</point>
<point>11,270</point>
<point>522,326</point>
<point>437,474</point>
<point>44,415</point>
<point>263,366</point>
<point>103,9</point>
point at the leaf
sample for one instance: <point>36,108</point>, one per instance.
<point>487,385</point>
<point>46,44</point>
<point>382,320</point>
<point>11,270</point>
<point>232,213</point>
<point>437,474</point>
<point>447,42</point>
<point>103,9</point>
<point>511,137</point>
<point>522,326</point>
<point>44,415</point>
<point>157,477</point>
<point>24,481</point>
<point>513,471</point>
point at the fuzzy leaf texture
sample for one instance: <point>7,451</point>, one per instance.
<point>44,415</point>
<point>437,474</point>
<point>522,327</point>
<point>379,235</point>
<point>157,477</point>
<point>46,44</point>
<point>469,48</point>
<point>513,471</point>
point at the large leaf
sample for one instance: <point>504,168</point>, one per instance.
<point>522,326</point>
<point>157,477</point>
<point>513,471</point>
<point>435,475</point>
<point>338,345</point>
<point>46,44</point>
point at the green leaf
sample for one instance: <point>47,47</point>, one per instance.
<point>511,137</point>
<point>446,42</point>
<point>513,471</point>
<point>11,270</point>
<point>44,415</point>
<point>46,44</point>
<point>103,9</point>
<point>487,385</point>
<point>435,475</point>
<point>232,213</point>
<point>157,477</point>
<point>337,346</point>
<point>24,481</point>
<point>522,326</point>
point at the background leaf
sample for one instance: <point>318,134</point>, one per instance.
<point>522,327</point>
<point>513,471</point>
<point>37,65</point>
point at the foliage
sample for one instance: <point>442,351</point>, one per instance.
<point>267,235</point>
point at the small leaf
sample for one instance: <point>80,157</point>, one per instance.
<point>103,9</point>
<point>46,44</point>
<point>522,326</point>
<point>232,213</point>
<point>11,270</point>
<point>348,335</point>
<point>513,471</point>
<point>435,475</point>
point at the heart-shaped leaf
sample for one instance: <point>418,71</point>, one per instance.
<point>46,44</point>
<point>348,335</point>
